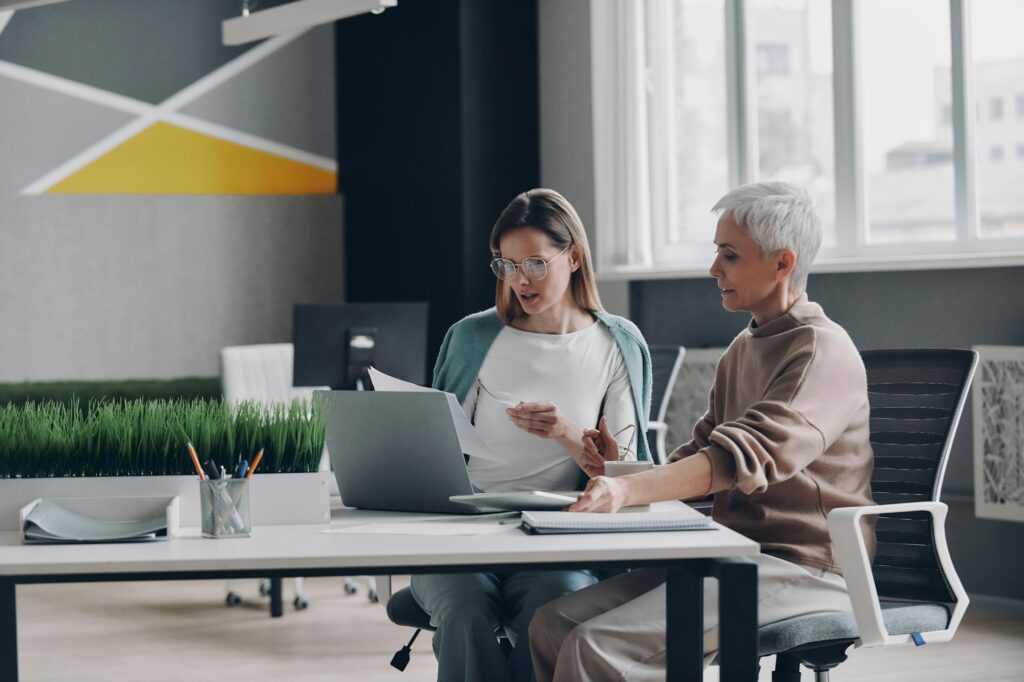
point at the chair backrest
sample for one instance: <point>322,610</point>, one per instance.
<point>916,399</point>
<point>665,363</point>
<point>260,372</point>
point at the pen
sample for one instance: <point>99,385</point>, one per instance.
<point>243,466</point>
<point>255,463</point>
<point>195,461</point>
<point>212,472</point>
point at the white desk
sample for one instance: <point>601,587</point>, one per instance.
<point>283,551</point>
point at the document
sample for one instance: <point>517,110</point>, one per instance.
<point>471,442</point>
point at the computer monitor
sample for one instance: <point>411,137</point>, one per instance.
<point>336,343</point>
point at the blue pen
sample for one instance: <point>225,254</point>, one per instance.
<point>243,467</point>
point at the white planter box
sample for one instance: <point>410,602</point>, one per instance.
<point>277,499</point>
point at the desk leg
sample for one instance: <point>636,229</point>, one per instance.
<point>684,623</point>
<point>8,631</point>
<point>737,615</point>
<point>276,599</point>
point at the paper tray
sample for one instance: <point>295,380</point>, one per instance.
<point>117,509</point>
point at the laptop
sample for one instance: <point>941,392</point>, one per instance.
<point>397,451</point>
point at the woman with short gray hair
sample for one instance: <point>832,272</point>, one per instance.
<point>784,441</point>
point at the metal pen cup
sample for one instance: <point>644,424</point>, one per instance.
<point>224,508</point>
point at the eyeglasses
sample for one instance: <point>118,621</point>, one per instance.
<point>533,267</point>
<point>625,451</point>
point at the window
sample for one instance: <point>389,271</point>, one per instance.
<point>998,69</point>
<point>734,91</point>
<point>907,160</point>
<point>794,105</point>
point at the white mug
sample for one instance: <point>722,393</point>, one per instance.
<point>625,467</point>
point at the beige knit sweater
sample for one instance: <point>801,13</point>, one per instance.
<point>786,433</point>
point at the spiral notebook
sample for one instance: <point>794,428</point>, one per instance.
<point>549,523</point>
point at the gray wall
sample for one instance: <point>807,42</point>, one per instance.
<point>109,287</point>
<point>928,308</point>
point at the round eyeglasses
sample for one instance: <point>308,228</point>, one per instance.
<point>534,267</point>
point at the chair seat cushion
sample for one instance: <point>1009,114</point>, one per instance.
<point>901,618</point>
<point>403,609</point>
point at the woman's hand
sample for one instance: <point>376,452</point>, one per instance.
<point>601,442</point>
<point>544,420</point>
<point>602,494</point>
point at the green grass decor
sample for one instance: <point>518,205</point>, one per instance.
<point>148,437</point>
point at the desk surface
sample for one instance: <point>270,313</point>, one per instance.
<point>308,547</point>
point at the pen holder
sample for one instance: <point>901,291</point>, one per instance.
<point>224,507</point>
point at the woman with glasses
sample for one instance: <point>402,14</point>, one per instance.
<point>532,373</point>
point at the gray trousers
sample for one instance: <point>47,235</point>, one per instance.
<point>615,630</point>
<point>467,609</point>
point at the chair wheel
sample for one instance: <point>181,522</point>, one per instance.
<point>300,604</point>
<point>351,587</point>
<point>233,599</point>
<point>264,588</point>
<point>372,596</point>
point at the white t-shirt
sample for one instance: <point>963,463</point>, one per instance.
<point>579,372</point>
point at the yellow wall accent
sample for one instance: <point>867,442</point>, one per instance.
<point>166,159</point>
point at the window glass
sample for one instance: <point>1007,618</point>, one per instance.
<point>908,145</point>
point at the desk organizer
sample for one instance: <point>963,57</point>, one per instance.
<point>113,509</point>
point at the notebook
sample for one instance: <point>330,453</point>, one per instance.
<point>549,523</point>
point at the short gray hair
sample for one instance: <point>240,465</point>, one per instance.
<point>778,215</point>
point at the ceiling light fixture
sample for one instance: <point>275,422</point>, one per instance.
<point>293,16</point>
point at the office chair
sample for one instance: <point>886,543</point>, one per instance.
<point>263,373</point>
<point>665,364</point>
<point>910,593</point>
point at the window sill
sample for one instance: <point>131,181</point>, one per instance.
<point>829,265</point>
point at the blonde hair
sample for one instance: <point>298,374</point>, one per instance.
<point>548,211</point>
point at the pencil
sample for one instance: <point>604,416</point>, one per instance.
<point>255,463</point>
<point>195,462</point>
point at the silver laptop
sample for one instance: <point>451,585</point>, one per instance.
<point>396,451</point>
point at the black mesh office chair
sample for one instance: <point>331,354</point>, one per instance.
<point>665,364</point>
<point>910,593</point>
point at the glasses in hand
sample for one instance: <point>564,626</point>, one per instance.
<point>533,267</point>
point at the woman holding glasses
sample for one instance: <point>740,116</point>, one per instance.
<point>532,373</point>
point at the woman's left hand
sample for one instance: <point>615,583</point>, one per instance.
<point>602,494</point>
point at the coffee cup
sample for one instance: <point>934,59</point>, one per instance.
<point>625,467</point>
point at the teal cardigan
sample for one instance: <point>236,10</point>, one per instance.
<point>468,341</point>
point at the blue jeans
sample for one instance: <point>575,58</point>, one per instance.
<point>467,609</point>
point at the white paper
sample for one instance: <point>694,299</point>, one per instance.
<point>470,441</point>
<point>427,528</point>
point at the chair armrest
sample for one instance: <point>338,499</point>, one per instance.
<point>660,430</point>
<point>382,586</point>
<point>848,538</point>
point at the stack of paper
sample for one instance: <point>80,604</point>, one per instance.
<point>543,523</point>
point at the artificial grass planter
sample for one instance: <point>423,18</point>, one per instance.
<point>148,437</point>
<point>207,388</point>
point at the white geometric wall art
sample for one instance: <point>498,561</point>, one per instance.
<point>998,414</point>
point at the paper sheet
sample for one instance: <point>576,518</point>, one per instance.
<point>470,441</point>
<point>428,528</point>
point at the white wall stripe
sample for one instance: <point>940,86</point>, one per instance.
<point>74,89</point>
<point>247,140</point>
<point>4,18</point>
<point>165,111</point>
